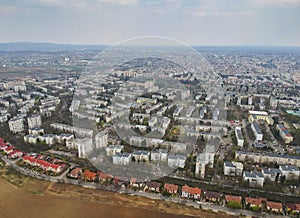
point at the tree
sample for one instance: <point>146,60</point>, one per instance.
<point>282,179</point>
<point>277,177</point>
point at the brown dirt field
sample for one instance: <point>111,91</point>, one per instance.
<point>28,197</point>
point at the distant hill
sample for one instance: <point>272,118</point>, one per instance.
<point>52,47</point>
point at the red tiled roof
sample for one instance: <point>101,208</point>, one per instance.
<point>211,194</point>
<point>75,171</point>
<point>171,187</point>
<point>103,176</point>
<point>293,206</point>
<point>133,180</point>
<point>89,175</point>
<point>10,148</point>
<point>274,205</point>
<point>233,198</point>
<point>29,158</point>
<point>255,201</point>
<point>41,162</point>
<point>54,166</point>
<point>191,190</point>
<point>152,184</point>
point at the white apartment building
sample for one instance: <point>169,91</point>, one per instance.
<point>101,139</point>
<point>176,160</point>
<point>34,121</point>
<point>257,131</point>
<point>239,136</point>
<point>16,124</point>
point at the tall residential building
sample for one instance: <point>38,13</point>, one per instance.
<point>34,121</point>
<point>239,136</point>
<point>257,132</point>
<point>101,139</point>
<point>273,102</point>
<point>16,124</point>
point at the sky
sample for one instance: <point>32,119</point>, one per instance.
<point>195,22</point>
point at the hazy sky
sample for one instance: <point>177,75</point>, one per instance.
<point>196,22</point>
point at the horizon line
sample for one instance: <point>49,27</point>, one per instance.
<point>112,44</point>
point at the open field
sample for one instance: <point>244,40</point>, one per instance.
<point>28,197</point>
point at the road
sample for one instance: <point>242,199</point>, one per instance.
<point>63,179</point>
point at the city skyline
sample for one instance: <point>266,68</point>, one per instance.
<point>103,22</point>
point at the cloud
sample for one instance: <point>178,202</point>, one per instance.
<point>287,3</point>
<point>5,10</point>
<point>119,2</point>
<point>200,13</point>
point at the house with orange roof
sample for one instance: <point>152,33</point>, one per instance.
<point>274,207</point>
<point>191,192</point>
<point>90,176</point>
<point>293,208</point>
<point>136,183</point>
<point>56,168</point>
<point>15,154</point>
<point>9,149</point>
<point>253,202</point>
<point>171,188</point>
<point>233,201</point>
<point>212,196</point>
<point>152,186</point>
<point>103,177</point>
<point>75,173</point>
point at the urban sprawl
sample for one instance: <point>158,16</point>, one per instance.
<point>242,153</point>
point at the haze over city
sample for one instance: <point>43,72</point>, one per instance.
<point>196,22</point>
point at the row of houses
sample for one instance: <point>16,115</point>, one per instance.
<point>43,164</point>
<point>192,193</point>
<point>10,150</point>
<point>13,153</point>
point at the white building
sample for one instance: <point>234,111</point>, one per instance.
<point>114,149</point>
<point>176,160</point>
<point>233,168</point>
<point>271,173</point>
<point>32,139</point>
<point>229,169</point>
<point>153,121</point>
<point>159,155</point>
<point>200,165</point>
<point>289,171</point>
<point>85,147</point>
<point>49,139</point>
<point>3,118</point>
<point>122,158</point>
<point>255,178</point>
<point>257,131</point>
<point>35,131</point>
<point>101,139</point>
<point>239,136</point>
<point>16,124</point>
<point>67,139</point>
<point>34,121</point>
<point>166,122</point>
<point>141,156</point>
<point>273,102</point>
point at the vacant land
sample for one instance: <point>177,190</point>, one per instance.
<point>28,197</point>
